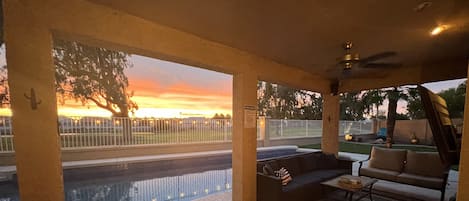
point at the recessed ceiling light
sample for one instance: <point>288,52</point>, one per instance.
<point>437,30</point>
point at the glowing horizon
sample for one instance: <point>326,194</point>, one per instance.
<point>164,90</point>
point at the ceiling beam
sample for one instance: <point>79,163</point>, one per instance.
<point>96,24</point>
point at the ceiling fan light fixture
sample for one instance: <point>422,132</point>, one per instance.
<point>348,66</point>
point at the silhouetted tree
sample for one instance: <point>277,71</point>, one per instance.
<point>94,74</point>
<point>351,106</point>
<point>373,98</point>
<point>280,102</point>
<point>455,99</point>
<point>414,104</point>
<point>393,95</point>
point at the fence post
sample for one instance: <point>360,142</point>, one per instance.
<point>281,127</point>
<point>361,122</point>
<point>114,131</point>
<point>225,129</point>
<point>306,122</point>
<point>375,125</point>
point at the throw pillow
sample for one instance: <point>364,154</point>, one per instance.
<point>283,175</point>
<point>267,169</point>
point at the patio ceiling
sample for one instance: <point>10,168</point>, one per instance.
<point>309,34</point>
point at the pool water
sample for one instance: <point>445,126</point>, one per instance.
<point>180,188</point>
<point>179,180</point>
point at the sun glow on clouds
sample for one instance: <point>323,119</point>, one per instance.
<point>165,89</point>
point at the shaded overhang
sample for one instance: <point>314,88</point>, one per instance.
<point>308,34</point>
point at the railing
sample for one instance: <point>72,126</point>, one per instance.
<point>280,128</point>
<point>86,132</point>
<point>102,132</point>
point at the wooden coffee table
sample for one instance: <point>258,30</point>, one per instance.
<point>367,184</point>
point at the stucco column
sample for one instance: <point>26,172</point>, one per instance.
<point>330,124</point>
<point>244,137</point>
<point>463,182</point>
<point>34,105</point>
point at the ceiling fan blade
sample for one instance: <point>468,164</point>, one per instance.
<point>381,55</point>
<point>381,65</point>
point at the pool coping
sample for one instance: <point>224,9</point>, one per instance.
<point>7,172</point>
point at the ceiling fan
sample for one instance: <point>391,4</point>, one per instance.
<point>351,60</point>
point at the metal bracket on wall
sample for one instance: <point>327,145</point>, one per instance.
<point>32,99</point>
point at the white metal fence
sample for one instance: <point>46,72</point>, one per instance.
<point>85,132</point>
<point>280,128</point>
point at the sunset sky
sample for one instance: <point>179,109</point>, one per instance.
<point>166,89</point>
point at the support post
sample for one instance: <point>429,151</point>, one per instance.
<point>463,181</point>
<point>244,137</point>
<point>33,104</point>
<point>330,124</point>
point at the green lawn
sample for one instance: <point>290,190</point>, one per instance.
<point>294,132</point>
<point>362,148</point>
<point>109,138</point>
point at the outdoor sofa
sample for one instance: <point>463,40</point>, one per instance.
<point>308,170</point>
<point>422,169</point>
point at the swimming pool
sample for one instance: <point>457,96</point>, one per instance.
<point>168,180</point>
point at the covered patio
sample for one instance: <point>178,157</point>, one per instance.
<point>290,43</point>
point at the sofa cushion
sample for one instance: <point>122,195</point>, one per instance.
<point>272,163</point>
<point>305,180</point>
<point>417,180</point>
<point>309,162</point>
<point>328,161</point>
<point>388,159</point>
<point>267,170</point>
<point>424,163</point>
<point>292,164</point>
<point>260,166</point>
<point>330,174</point>
<point>379,173</point>
<point>401,191</point>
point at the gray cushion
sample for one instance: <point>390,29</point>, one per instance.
<point>301,182</point>
<point>401,191</point>
<point>424,163</point>
<point>309,162</point>
<point>423,181</point>
<point>292,164</point>
<point>388,159</point>
<point>267,170</point>
<point>379,173</point>
<point>328,161</point>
